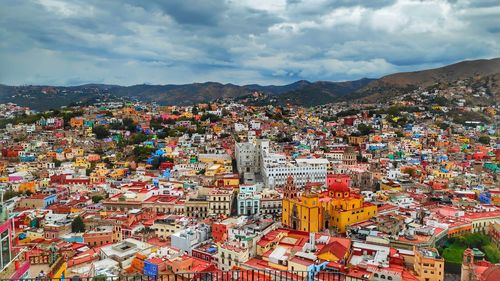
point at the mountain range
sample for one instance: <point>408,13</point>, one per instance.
<point>301,92</point>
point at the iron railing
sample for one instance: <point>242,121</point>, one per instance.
<point>233,275</point>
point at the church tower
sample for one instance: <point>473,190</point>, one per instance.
<point>290,189</point>
<point>468,266</point>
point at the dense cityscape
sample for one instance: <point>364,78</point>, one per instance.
<point>403,190</point>
<point>249,140</point>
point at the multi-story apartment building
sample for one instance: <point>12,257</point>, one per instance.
<point>197,207</point>
<point>276,169</point>
<point>220,201</point>
<point>232,254</point>
<point>429,265</point>
<point>248,200</point>
<point>165,227</point>
<point>271,202</point>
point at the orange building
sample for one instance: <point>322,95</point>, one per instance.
<point>103,235</point>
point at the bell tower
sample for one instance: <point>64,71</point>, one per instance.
<point>290,190</point>
<point>468,266</point>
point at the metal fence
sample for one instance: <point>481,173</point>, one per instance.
<point>233,275</point>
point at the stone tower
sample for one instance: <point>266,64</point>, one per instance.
<point>468,266</point>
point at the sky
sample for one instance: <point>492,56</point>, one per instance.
<point>126,42</point>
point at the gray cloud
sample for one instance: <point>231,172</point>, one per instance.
<point>238,41</point>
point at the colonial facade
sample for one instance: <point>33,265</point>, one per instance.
<point>314,211</point>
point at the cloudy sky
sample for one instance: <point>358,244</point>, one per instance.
<point>237,41</point>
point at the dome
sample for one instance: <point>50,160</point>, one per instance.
<point>338,186</point>
<point>491,274</point>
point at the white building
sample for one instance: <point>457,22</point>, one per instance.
<point>249,157</point>
<point>187,239</point>
<point>276,169</point>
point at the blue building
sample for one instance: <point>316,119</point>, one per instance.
<point>248,200</point>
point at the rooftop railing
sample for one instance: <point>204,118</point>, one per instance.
<point>233,275</point>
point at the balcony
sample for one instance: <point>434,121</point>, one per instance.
<point>232,275</point>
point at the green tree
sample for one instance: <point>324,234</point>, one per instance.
<point>484,139</point>
<point>212,117</point>
<point>444,126</point>
<point>194,110</point>
<point>138,138</point>
<point>141,153</point>
<point>78,225</point>
<point>100,132</point>
<point>364,129</point>
<point>100,277</point>
<point>8,194</point>
<point>97,198</point>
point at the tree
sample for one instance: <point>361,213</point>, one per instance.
<point>484,139</point>
<point>410,171</point>
<point>8,194</point>
<point>100,277</point>
<point>364,129</point>
<point>138,138</point>
<point>443,126</point>
<point>97,198</point>
<point>78,225</point>
<point>212,117</point>
<point>100,132</point>
<point>142,153</point>
<point>194,110</point>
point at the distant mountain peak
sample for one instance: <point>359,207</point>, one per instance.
<point>300,92</point>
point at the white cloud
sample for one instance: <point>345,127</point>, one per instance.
<point>52,41</point>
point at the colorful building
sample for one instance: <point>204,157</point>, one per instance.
<point>314,211</point>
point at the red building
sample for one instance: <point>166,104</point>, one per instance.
<point>206,252</point>
<point>219,232</point>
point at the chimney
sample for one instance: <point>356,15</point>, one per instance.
<point>312,240</point>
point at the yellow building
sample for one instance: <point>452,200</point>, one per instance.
<point>313,211</point>
<point>101,169</point>
<point>27,186</point>
<point>442,174</point>
<point>223,160</point>
<point>118,173</point>
<point>390,185</point>
<point>429,265</point>
<point>227,180</point>
<point>81,162</point>
<point>301,212</point>
<point>357,140</point>
<point>76,122</point>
